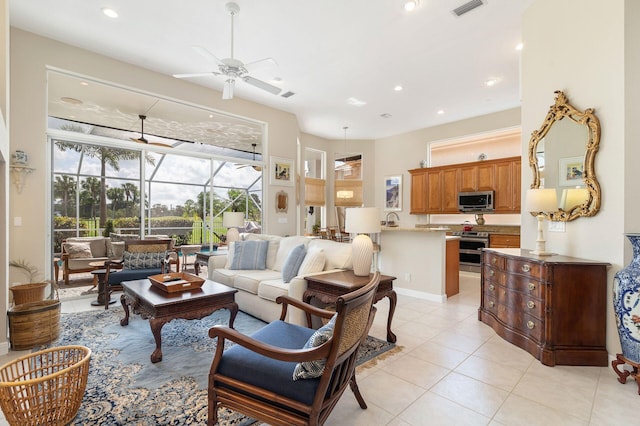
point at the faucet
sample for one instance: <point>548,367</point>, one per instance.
<point>391,223</point>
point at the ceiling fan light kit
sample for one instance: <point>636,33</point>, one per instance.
<point>231,68</point>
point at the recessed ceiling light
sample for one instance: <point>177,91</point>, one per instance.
<point>398,88</point>
<point>355,102</point>
<point>519,46</point>
<point>210,115</point>
<point>109,12</point>
<point>440,112</point>
<point>69,100</point>
<point>491,82</point>
<point>411,5</point>
<point>84,83</point>
<point>385,115</point>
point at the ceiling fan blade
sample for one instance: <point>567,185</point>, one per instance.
<point>196,74</point>
<point>227,92</point>
<point>207,55</point>
<point>262,84</point>
<point>261,63</point>
<point>139,140</point>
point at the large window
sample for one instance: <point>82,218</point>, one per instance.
<point>99,188</point>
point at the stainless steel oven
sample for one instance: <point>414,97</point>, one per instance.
<point>471,245</point>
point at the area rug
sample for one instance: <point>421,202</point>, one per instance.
<point>124,387</point>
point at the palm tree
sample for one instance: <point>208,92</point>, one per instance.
<point>131,194</point>
<point>90,194</point>
<point>64,187</point>
<point>107,156</point>
<point>116,195</point>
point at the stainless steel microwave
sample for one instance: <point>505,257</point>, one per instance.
<point>480,201</point>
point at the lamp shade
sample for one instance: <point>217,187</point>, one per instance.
<point>363,220</point>
<point>233,219</point>
<point>541,200</point>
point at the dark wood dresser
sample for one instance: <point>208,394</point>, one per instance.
<point>554,307</point>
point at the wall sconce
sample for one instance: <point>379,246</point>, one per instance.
<point>539,201</point>
<point>19,169</point>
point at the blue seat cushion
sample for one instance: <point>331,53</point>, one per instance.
<point>277,376</point>
<point>116,277</point>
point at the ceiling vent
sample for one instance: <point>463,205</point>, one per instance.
<point>287,94</point>
<point>467,7</point>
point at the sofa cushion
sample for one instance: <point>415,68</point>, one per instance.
<point>313,262</point>
<point>224,276</point>
<point>274,243</point>
<point>115,249</point>
<point>98,244</point>
<point>293,262</point>
<point>143,260</point>
<point>78,250</point>
<point>314,368</point>
<point>286,245</point>
<point>338,255</point>
<point>271,289</point>
<point>248,280</point>
<point>249,255</point>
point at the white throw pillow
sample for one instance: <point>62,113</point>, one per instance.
<point>313,262</point>
<point>286,245</point>
<point>78,250</point>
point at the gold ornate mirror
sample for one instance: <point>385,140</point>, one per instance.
<point>562,155</point>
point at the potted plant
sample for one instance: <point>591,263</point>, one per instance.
<point>33,321</point>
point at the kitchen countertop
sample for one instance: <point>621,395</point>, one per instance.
<point>492,229</point>
<point>431,228</point>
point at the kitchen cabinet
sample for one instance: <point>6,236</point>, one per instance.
<point>435,190</point>
<point>553,307</point>
<point>504,241</point>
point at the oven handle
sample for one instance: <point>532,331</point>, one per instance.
<point>479,240</point>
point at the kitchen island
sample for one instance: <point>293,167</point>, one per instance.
<point>418,258</point>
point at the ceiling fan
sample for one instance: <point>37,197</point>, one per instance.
<point>254,167</point>
<point>142,139</point>
<point>231,68</point>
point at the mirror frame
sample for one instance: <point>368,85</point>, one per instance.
<point>559,110</point>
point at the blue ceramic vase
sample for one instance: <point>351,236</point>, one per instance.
<point>626,303</point>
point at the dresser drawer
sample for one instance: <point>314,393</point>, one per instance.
<point>527,285</point>
<point>494,275</point>
<point>491,304</point>
<point>494,260</point>
<point>527,324</point>
<point>522,302</point>
<point>525,267</point>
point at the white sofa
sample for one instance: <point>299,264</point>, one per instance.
<point>258,289</point>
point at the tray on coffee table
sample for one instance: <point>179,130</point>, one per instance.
<point>173,282</point>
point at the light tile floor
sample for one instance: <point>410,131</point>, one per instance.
<point>454,370</point>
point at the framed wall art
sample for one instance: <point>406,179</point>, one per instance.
<point>571,171</point>
<point>281,172</point>
<point>393,193</point>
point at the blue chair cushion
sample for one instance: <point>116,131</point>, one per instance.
<point>116,277</point>
<point>277,376</point>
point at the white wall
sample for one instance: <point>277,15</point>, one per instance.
<point>582,47</point>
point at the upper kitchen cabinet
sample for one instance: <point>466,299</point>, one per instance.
<point>434,190</point>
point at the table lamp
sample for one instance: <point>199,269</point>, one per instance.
<point>362,220</point>
<point>540,200</point>
<point>232,221</point>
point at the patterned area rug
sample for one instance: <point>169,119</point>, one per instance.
<point>124,387</point>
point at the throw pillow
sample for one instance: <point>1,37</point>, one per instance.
<point>313,369</point>
<point>313,262</point>
<point>78,250</point>
<point>143,260</point>
<point>293,262</point>
<point>249,255</point>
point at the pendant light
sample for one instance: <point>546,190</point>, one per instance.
<point>345,194</point>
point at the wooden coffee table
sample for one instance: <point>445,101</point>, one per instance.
<point>161,307</point>
<point>327,287</point>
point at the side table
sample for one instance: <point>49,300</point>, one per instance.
<point>328,287</point>
<point>202,258</point>
<point>101,273</point>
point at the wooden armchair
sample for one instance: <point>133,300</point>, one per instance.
<point>141,259</point>
<point>256,376</point>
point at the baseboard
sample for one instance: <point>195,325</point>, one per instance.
<point>4,348</point>
<point>421,295</point>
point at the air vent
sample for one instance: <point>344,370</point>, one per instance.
<point>467,7</point>
<point>287,94</point>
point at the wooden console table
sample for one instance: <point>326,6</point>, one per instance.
<point>327,287</point>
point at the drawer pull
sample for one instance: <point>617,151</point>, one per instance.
<point>494,260</point>
<point>532,286</point>
<point>530,325</point>
<point>492,303</point>
<point>530,304</point>
<point>492,287</point>
<point>492,272</point>
<point>526,268</point>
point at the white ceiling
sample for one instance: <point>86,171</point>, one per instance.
<point>327,51</point>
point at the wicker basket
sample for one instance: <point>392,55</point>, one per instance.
<point>45,387</point>
<point>26,293</point>
<point>33,324</point>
